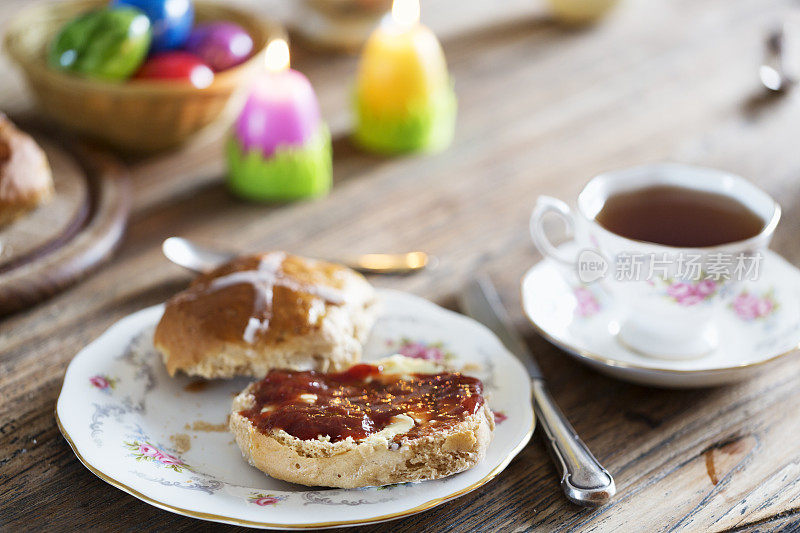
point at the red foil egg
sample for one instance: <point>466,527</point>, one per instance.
<point>177,65</point>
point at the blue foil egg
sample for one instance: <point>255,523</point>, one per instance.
<point>170,20</point>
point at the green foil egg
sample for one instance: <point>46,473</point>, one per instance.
<point>108,44</point>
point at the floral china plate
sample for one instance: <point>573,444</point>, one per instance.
<point>165,441</point>
<point>759,325</point>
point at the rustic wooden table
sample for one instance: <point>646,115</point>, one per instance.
<point>541,111</point>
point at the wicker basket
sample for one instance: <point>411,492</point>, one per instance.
<point>137,115</point>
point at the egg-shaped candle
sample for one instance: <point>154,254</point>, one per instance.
<point>280,149</point>
<point>404,99</point>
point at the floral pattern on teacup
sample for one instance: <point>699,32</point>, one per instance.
<point>750,307</point>
<point>588,304</point>
<point>264,500</point>
<point>145,451</point>
<point>430,351</point>
<point>103,383</point>
<point>688,293</point>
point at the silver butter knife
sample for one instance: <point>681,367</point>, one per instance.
<point>583,479</point>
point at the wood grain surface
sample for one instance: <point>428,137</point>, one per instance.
<point>542,109</point>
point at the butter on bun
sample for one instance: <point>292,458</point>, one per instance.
<point>265,311</point>
<point>389,421</point>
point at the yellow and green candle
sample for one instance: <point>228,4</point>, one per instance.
<point>404,98</point>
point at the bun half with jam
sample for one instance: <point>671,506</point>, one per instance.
<point>265,311</point>
<point>390,421</point>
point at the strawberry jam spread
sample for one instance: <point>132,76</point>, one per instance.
<point>360,401</point>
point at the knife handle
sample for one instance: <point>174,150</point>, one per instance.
<point>583,479</point>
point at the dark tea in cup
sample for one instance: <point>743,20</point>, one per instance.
<point>679,217</point>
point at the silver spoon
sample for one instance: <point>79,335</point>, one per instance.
<point>187,254</point>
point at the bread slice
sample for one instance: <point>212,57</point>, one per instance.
<point>265,311</point>
<point>25,177</point>
<point>391,454</point>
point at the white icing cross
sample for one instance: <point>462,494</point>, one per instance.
<point>264,279</point>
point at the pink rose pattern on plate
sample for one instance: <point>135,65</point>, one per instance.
<point>750,307</point>
<point>500,416</point>
<point>264,500</point>
<point>588,304</point>
<point>688,293</point>
<point>433,351</point>
<point>103,382</point>
<point>144,451</point>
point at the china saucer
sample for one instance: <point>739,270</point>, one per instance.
<point>759,326</point>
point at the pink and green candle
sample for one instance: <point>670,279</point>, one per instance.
<point>280,148</point>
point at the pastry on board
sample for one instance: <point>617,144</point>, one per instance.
<point>390,421</point>
<point>265,311</point>
<point>25,177</point>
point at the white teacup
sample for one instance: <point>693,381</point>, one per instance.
<point>668,310</point>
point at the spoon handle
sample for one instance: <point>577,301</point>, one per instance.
<point>200,259</point>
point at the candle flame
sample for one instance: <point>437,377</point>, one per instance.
<point>277,55</point>
<point>405,12</point>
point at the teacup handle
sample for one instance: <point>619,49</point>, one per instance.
<point>546,205</point>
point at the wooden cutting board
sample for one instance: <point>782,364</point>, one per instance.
<point>56,244</point>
